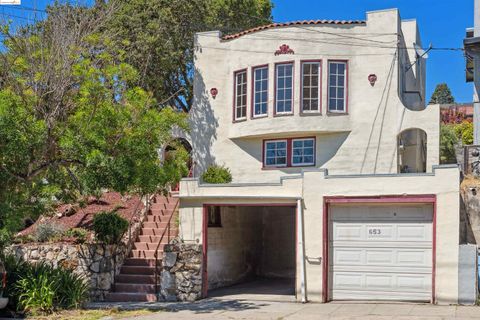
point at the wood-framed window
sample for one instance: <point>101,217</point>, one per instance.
<point>337,86</point>
<point>289,152</point>
<point>311,86</point>
<point>303,152</point>
<point>284,88</point>
<point>214,217</point>
<point>240,95</point>
<point>259,91</point>
<point>275,153</point>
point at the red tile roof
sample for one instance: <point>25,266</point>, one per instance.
<point>288,24</point>
<point>83,217</point>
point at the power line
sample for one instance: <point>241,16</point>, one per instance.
<point>260,37</point>
<point>24,8</point>
<point>9,15</point>
<point>304,54</point>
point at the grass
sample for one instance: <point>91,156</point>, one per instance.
<point>80,314</point>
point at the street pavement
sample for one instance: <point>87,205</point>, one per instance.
<point>218,308</point>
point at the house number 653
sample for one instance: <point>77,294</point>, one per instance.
<point>374,231</point>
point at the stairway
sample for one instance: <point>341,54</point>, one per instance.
<point>136,280</point>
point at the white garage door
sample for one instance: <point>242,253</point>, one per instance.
<point>381,252</point>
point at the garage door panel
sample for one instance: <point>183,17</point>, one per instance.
<point>381,269</point>
<point>410,232</point>
<point>348,257</point>
<point>383,213</point>
<point>382,257</point>
<point>349,294</point>
<point>381,249</point>
<point>380,280</point>
<point>349,232</point>
<point>362,231</point>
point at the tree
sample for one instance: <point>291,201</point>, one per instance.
<point>448,140</point>
<point>159,34</point>
<point>72,119</point>
<point>442,95</point>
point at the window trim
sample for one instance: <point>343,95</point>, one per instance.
<point>214,210</point>
<point>291,153</point>
<point>252,100</point>
<point>320,83</point>
<point>345,111</point>
<point>264,153</point>
<point>283,114</point>
<point>289,163</point>
<point>234,107</point>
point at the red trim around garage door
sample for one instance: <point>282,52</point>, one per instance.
<point>389,199</point>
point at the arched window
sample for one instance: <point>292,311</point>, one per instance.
<point>412,151</point>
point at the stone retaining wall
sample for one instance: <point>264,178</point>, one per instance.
<point>97,263</point>
<point>181,276</point>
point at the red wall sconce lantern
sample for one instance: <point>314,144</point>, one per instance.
<point>214,92</point>
<point>372,78</point>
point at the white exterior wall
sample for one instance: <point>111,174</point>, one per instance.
<point>359,149</point>
<point>312,187</point>
<point>362,141</point>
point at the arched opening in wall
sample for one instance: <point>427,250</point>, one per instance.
<point>412,151</point>
<point>173,146</point>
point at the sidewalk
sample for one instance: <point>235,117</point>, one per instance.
<point>214,308</point>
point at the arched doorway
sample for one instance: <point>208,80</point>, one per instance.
<point>412,151</point>
<point>172,146</point>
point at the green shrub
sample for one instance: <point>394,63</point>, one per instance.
<point>448,139</point>
<point>109,227</point>
<point>41,288</point>
<point>217,174</point>
<point>464,132</point>
<point>80,234</point>
<point>47,231</point>
<point>5,238</point>
<point>36,293</point>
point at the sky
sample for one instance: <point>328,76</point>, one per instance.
<point>441,22</point>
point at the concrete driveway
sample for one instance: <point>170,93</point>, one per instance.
<point>217,308</point>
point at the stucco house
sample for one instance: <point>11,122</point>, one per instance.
<point>337,191</point>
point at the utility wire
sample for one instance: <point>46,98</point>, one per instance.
<point>24,8</point>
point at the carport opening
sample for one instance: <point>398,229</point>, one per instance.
<point>251,250</point>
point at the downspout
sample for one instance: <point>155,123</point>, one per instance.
<point>301,246</point>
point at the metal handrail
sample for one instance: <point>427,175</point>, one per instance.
<point>167,230</point>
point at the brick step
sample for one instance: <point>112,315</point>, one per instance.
<point>135,279</point>
<point>161,212</point>
<point>149,254</point>
<point>143,270</point>
<point>128,296</point>
<point>135,288</point>
<point>140,262</point>
<point>149,245</point>
<point>155,239</point>
<point>156,231</point>
<point>160,218</point>
<point>157,225</point>
<point>163,205</point>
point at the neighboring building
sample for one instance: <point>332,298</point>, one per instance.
<point>456,113</point>
<point>337,186</point>
<point>472,53</point>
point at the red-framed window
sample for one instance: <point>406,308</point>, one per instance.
<point>289,152</point>
<point>311,86</point>
<point>284,76</point>
<point>337,86</point>
<point>259,91</point>
<point>240,95</point>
